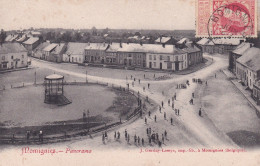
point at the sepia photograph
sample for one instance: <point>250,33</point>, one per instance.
<point>130,82</point>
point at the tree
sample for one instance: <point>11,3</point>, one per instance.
<point>94,31</point>
<point>2,36</point>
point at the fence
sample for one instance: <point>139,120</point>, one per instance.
<point>86,129</point>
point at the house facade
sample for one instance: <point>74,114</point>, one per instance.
<point>75,53</point>
<point>166,57</point>
<point>256,92</point>
<point>13,55</point>
<point>95,53</point>
<point>220,46</point>
<point>237,53</point>
<point>54,52</point>
<point>248,68</point>
<point>31,44</point>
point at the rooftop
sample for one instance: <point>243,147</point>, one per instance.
<point>251,58</point>
<point>11,48</point>
<point>31,40</point>
<point>50,47</point>
<point>96,46</point>
<point>74,48</point>
<point>240,49</point>
<point>54,77</point>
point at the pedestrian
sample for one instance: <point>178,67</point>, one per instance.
<point>145,120</point>
<point>134,79</point>
<point>115,135</point>
<point>215,75</point>
<point>103,139</point>
<point>169,102</point>
<point>155,118</point>
<point>139,81</point>
<point>131,76</point>
<point>206,83</point>
<point>175,96</point>
<point>150,130</point>
<point>171,121</point>
<point>125,134</point>
<point>162,139</point>
<point>148,85</point>
<point>118,135</point>
<point>138,140</point>
<point>165,134</point>
<point>162,104</point>
<point>172,105</point>
<point>160,109</point>
<point>13,138</point>
<point>41,136</point>
<point>28,135</point>
<point>142,142</point>
<point>149,113</point>
<point>157,136</point>
<point>128,138</point>
<point>192,95</point>
<point>164,115</point>
<point>144,76</point>
<point>178,112</point>
<point>144,89</point>
<point>150,140</point>
<point>135,138</point>
<point>106,134</point>
<point>147,131</point>
<point>200,112</point>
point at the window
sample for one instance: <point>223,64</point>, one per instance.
<point>154,57</point>
<point>168,58</point>
<point>3,57</point>
<point>160,57</point>
<point>150,57</point>
<point>129,55</point>
<point>154,64</point>
<point>12,57</point>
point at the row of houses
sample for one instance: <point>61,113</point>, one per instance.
<point>221,45</point>
<point>244,62</point>
<point>131,55</point>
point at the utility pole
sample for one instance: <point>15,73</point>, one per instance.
<point>86,76</point>
<point>35,77</point>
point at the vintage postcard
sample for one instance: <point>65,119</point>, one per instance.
<point>126,82</point>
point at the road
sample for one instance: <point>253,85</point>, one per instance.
<point>188,128</point>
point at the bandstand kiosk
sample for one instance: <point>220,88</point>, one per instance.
<point>54,90</point>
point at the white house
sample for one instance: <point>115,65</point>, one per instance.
<point>75,52</point>
<point>13,55</point>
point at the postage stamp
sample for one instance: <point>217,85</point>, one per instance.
<point>226,18</point>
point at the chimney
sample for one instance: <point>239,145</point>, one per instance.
<point>160,39</point>
<point>163,45</point>
<point>120,44</point>
<point>104,44</point>
<point>141,43</point>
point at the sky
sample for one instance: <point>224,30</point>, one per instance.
<point>114,14</point>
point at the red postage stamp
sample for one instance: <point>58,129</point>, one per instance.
<point>226,18</point>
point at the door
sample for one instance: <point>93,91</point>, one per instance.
<point>150,64</point>
<point>130,62</point>
<point>16,62</point>
<point>160,65</point>
<point>177,66</point>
